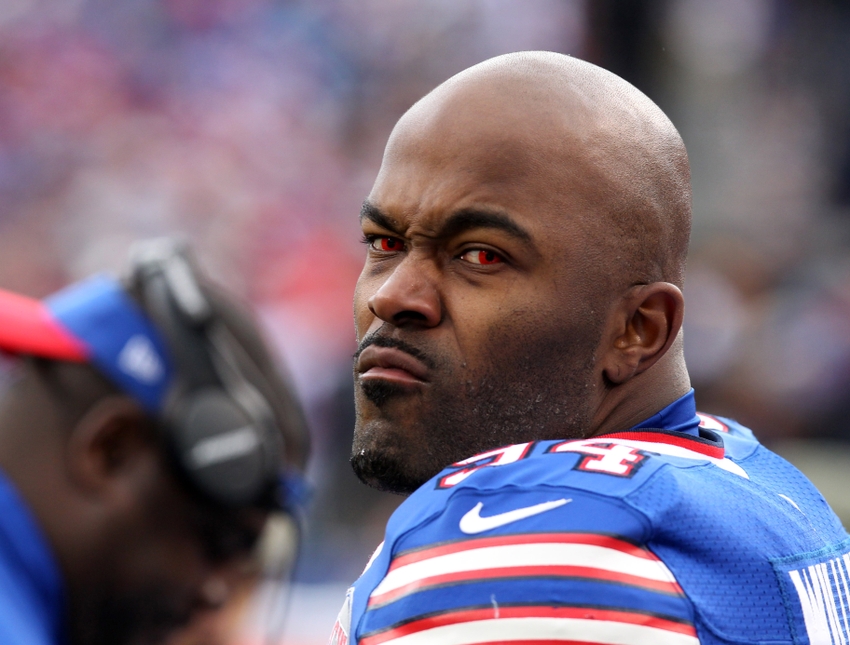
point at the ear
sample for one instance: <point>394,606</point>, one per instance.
<point>110,447</point>
<point>644,326</point>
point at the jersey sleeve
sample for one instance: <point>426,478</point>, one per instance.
<point>542,565</point>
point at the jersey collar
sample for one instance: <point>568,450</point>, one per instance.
<point>676,425</point>
<point>680,416</point>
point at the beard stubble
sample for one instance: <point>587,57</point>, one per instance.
<point>530,386</point>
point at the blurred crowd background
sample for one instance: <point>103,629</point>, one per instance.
<point>255,129</point>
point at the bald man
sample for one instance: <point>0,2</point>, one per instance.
<point>520,372</point>
<point>145,437</point>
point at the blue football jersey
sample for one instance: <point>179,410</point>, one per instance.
<point>682,530</point>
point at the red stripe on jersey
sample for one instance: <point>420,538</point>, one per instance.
<point>593,539</point>
<point>537,571</point>
<point>539,642</point>
<point>682,441</point>
<point>338,636</point>
<point>473,615</point>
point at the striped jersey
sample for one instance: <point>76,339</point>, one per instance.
<point>682,530</point>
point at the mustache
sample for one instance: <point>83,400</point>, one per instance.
<point>381,340</point>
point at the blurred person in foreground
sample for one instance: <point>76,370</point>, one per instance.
<point>520,375</point>
<point>145,438</point>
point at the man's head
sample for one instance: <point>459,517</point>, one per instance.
<point>526,239</point>
<point>143,542</point>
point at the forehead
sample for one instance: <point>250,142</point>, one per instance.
<point>475,151</point>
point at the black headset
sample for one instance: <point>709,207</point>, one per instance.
<point>220,428</point>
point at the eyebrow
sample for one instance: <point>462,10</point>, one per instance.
<point>471,218</point>
<point>373,213</point>
<point>463,220</point>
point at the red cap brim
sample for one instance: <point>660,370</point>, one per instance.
<point>26,327</point>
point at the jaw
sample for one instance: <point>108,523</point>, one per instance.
<point>382,458</point>
<point>404,439</point>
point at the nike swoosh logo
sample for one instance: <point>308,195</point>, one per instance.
<point>473,523</point>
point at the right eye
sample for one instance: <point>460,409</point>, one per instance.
<point>385,244</point>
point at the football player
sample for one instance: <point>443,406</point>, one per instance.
<point>520,374</point>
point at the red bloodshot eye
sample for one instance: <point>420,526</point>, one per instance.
<point>389,244</point>
<point>488,257</point>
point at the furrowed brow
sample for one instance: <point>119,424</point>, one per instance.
<point>374,214</point>
<point>468,219</point>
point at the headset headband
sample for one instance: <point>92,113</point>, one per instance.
<point>220,427</point>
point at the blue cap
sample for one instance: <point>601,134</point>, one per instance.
<point>95,321</point>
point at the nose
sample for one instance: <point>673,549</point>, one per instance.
<point>409,296</point>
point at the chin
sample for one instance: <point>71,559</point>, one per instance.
<point>385,461</point>
<point>383,474</point>
<point>381,391</point>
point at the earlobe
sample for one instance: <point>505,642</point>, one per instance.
<point>105,441</point>
<point>646,325</point>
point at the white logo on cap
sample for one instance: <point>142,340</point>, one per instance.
<point>140,360</point>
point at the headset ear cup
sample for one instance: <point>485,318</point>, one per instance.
<point>221,447</point>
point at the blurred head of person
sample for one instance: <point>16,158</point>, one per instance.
<point>147,428</point>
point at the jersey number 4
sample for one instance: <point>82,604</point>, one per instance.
<point>603,457</point>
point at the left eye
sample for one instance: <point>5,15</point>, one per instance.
<point>482,256</point>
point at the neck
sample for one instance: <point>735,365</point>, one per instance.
<point>629,403</point>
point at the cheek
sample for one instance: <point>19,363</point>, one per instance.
<point>486,324</point>
<point>173,556</point>
<point>363,317</point>
<point>166,567</point>
<point>167,543</point>
<point>513,340</point>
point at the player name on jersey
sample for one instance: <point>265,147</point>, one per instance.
<point>824,592</point>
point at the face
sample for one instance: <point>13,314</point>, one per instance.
<point>173,561</point>
<point>477,317</point>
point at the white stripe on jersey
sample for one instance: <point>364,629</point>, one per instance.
<point>526,555</point>
<point>506,630</point>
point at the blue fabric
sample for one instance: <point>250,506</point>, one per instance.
<point>122,341</point>
<point>31,595</point>
<point>754,553</point>
<point>679,416</point>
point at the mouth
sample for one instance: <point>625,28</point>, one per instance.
<point>390,364</point>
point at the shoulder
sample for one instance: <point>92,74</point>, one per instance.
<point>30,585</point>
<point>522,532</point>
<point>602,473</point>
<point>21,618</point>
<point>611,465</point>
<point>616,533</point>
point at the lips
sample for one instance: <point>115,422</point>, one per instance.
<point>390,364</point>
